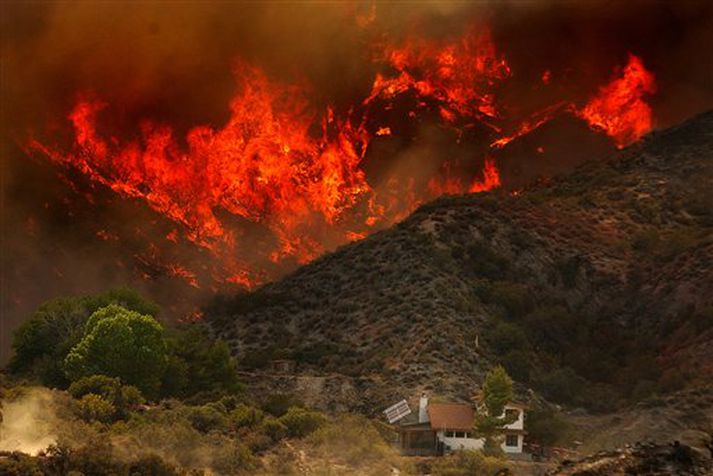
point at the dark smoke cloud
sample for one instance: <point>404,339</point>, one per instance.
<point>171,61</point>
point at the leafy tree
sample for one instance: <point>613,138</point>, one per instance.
<point>198,365</point>
<point>120,343</point>
<point>41,344</point>
<point>545,427</point>
<point>490,419</point>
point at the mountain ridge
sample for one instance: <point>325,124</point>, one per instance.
<point>584,280</point>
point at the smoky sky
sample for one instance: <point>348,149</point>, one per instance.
<point>173,62</point>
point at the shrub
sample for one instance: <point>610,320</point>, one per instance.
<point>122,397</point>
<point>518,364</point>
<point>468,463</point>
<point>485,262</point>
<point>507,337</point>
<point>233,458</point>
<point>278,404</point>
<point>92,407</point>
<point>553,328</point>
<point>258,359</point>
<point>512,297</point>
<point>152,465</point>
<point>301,422</point>
<point>315,353</point>
<point>209,417</point>
<point>351,438</point>
<point>569,269</point>
<point>245,416</point>
<point>545,427</point>
<point>703,320</point>
<point>274,428</point>
<point>562,385</point>
<point>20,464</point>
<point>97,384</point>
<point>645,241</point>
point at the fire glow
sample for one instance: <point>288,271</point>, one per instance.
<point>296,170</point>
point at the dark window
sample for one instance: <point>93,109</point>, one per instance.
<point>511,414</point>
<point>460,434</point>
<point>468,434</point>
<point>511,440</point>
<point>449,434</point>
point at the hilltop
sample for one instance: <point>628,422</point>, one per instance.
<point>593,289</point>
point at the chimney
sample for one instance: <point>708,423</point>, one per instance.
<point>422,409</point>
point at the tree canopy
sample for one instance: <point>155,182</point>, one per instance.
<point>41,343</point>
<point>120,343</point>
<point>198,364</point>
<point>490,419</point>
<point>497,391</point>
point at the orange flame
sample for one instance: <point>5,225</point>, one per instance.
<point>619,108</point>
<point>459,74</point>
<point>295,170</point>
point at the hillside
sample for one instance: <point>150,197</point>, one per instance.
<point>594,289</point>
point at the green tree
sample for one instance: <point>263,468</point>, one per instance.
<point>198,365</point>
<point>41,343</point>
<point>490,418</point>
<point>120,343</point>
<point>545,427</point>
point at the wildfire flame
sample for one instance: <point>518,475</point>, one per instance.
<point>619,108</point>
<point>269,165</point>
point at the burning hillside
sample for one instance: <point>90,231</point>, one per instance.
<point>281,163</point>
<point>224,146</point>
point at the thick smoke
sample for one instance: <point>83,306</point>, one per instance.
<point>65,235</point>
<point>28,422</point>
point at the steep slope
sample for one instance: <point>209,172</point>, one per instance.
<point>594,289</point>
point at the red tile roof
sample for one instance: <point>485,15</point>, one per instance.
<point>450,416</point>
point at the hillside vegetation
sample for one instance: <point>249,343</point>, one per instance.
<point>595,289</point>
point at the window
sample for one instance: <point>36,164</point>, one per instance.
<point>512,441</point>
<point>468,434</point>
<point>512,414</point>
<point>460,434</point>
<point>449,434</point>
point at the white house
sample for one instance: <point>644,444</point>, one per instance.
<point>443,427</point>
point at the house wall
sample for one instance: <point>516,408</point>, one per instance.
<point>476,443</point>
<point>518,424</point>
<point>461,443</point>
<point>513,449</point>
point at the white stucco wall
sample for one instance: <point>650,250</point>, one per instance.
<point>476,443</point>
<point>513,449</point>
<point>518,424</point>
<point>461,443</point>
